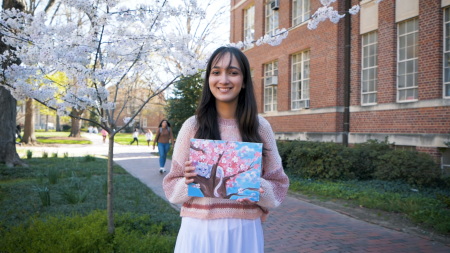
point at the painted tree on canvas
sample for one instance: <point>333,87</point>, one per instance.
<point>226,167</point>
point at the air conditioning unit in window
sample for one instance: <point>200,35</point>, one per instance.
<point>271,81</point>
<point>275,5</point>
<point>303,104</point>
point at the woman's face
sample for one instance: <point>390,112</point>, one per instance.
<point>226,80</point>
<point>164,124</point>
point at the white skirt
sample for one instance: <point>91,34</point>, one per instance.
<point>220,236</point>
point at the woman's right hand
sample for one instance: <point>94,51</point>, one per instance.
<point>153,147</point>
<point>189,172</point>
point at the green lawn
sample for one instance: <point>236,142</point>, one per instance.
<point>59,138</point>
<point>427,206</point>
<point>126,138</point>
<point>144,222</point>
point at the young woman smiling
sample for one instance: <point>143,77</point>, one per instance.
<point>227,111</point>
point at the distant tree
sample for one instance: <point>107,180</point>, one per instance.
<point>185,101</point>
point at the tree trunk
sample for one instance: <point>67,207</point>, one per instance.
<point>110,200</point>
<point>46,123</point>
<point>58,125</point>
<point>8,113</point>
<point>28,135</point>
<point>76,123</point>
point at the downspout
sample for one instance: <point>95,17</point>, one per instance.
<point>347,70</point>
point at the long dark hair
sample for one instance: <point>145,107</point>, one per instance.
<point>160,123</point>
<point>246,112</point>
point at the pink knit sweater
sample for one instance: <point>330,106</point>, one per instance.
<point>274,181</point>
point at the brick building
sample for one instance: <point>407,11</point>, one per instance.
<point>400,71</point>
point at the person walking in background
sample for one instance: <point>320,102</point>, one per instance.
<point>104,133</point>
<point>19,131</point>
<point>95,130</point>
<point>135,136</point>
<point>149,136</point>
<point>90,129</point>
<point>163,136</point>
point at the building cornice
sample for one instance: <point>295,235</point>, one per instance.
<point>402,106</point>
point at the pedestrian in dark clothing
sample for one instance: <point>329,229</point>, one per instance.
<point>19,131</point>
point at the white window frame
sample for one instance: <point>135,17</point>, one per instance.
<point>303,78</point>
<point>249,27</point>
<point>368,68</point>
<point>273,103</point>
<point>406,60</point>
<point>445,52</point>
<point>270,16</point>
<point>306,4</point>
<point>144,122</point>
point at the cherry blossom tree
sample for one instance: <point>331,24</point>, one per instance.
<point>108,44</point>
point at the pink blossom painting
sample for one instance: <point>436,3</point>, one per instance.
<point>225,169</point>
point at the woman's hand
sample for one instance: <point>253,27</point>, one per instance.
<point>153,147</point>
<point>189,172</point>
<point>247,200</point>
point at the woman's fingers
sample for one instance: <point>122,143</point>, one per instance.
<point>189,172</point>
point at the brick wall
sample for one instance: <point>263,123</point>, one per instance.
<point>326,45</point>
<point>421,120</point>
<point>430,49</point>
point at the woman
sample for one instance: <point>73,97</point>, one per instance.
<point>104,133</point>
<point>163,136</point>
<point>227,111</point>
<point>149,137</point>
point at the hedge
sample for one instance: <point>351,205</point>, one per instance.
<point>365,161</point>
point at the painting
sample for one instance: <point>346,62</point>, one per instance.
<point>225,169</point>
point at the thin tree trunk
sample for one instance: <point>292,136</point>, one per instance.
<point>76,123</point>
<point>46,123</point>
<point>110,200</point>
<point>28,135</point>
<point>58,124</point>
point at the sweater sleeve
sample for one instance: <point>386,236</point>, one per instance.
<point>274,181</point>
<point>174,183</point>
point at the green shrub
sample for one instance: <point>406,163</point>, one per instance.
<point>365,156</point>
<point>87,234</point>
<point>44,154</point>
<point>320,160</point>
<point>66,128</point>
<point>44,195</point>
<point>89,158</point>
<point>73,196</point>
<point>66,155</point>
<point>29,154</point>
<point>55,155</point>
<point>365,161</point>
<point>53,175</point>
<point>411,166</point>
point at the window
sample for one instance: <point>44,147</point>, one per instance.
<point>300,79</point>
<point>447,53</point>
<point>270,91</point>
<point>271,20</point>
<point>301,11</point>
<point>249,24</point>
<point>407,69</point>
<point>252,75</point>
<point>144,122</point>
<point>369,68</point>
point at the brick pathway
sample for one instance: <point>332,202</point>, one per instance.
<point>297,226</point>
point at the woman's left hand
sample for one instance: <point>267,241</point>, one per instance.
<point>247,200</point>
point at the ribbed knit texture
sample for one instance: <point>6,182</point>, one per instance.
<point>274,181</point>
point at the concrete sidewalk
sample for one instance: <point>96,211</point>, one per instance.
<point>295,226</point>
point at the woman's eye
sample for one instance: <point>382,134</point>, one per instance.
<point>215,72</point>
